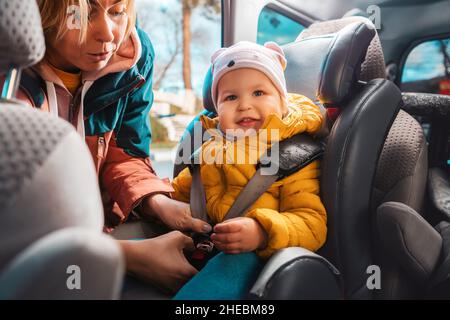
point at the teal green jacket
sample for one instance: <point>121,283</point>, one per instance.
<point>117,131</point>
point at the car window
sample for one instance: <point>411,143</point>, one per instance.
<point>179,70</point>
<point>427,68</point>
<point>274,26</point>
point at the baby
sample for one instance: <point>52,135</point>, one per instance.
<point>250,97</point>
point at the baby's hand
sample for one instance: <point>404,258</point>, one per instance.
<point>175,214</point>
<point>239,235</point>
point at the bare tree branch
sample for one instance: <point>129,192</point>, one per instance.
<point>173,51</point>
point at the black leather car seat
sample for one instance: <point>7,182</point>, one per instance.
<point>400,175</point>
<point>327,69</point>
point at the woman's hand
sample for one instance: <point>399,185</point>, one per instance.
<point>239,235</point>
<point>175,214</point>
<point>160,260</point>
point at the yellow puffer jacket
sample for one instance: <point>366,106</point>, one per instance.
<point>290,211</point>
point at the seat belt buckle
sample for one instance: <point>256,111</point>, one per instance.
<point>206,246</point>
<point>203,242</point>
<point>204,250</point>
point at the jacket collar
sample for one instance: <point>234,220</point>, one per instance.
<point>101,94</point>
<point>303,117</point>
<point>114,81</point>
<point>117,79</point>
<point>124,59</point>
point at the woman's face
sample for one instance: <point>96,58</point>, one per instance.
<point>108,22</point>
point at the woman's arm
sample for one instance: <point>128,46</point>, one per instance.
<point>127,173</point>
<point>175,212</point>
<point>160,260</point>
<point>130,179</point>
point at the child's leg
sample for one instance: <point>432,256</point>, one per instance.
<point>225,277</point>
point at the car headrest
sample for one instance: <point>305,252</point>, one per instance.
<point>207,97</point>
<point>22,41</point>
<point>47,179</point>
<point>323,68</point>
<point>373,66</point>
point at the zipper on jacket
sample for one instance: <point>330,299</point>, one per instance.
<point>101,147</point>
<point>74,101</point>
<point>71,104</point>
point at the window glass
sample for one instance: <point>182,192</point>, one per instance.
<point>427,68</point>
<point>178,73</point>
<point>274,26</point>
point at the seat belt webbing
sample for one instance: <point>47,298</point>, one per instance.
<point>197,195</point>
<point>254,189</point>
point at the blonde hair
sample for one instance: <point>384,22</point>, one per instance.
<point>54,17</point>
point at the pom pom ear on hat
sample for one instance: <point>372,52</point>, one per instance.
<point>279,51</point>
<point>215,55</point>
<point>269,45</point>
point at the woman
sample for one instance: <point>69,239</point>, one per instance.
<point>97,74</point>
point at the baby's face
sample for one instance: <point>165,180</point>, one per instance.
<point>245,98</point>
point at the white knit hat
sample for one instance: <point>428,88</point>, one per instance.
<point>268,59</point>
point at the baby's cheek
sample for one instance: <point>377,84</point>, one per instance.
<point>226,123</point>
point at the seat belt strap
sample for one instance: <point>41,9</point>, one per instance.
<point>292,159</point>
<point>197,194</point>
<point>254,189</point>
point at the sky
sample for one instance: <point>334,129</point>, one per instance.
<point>159,19</point>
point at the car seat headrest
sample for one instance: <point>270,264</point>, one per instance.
<point>22,41</point>
<point>47,179</point>
<point>207,97</point>
<point>325,68</point>
<point>374,65</point>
